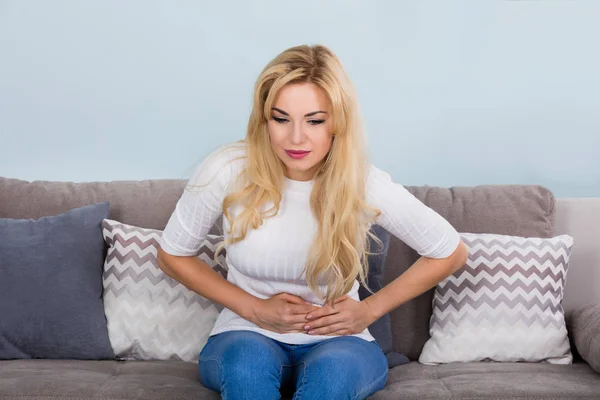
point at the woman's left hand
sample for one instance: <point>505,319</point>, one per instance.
<point>347,318</point>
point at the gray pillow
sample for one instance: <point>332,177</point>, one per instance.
<point>51,286</point>
<point>382,328</point>
<point>585,327</point>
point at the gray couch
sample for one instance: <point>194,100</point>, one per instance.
<point>515,210</point>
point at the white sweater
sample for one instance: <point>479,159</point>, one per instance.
<point>270,260</point>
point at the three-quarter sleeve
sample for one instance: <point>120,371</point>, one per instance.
<point>407,218</point>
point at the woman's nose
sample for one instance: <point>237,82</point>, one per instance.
<point>297,135</point>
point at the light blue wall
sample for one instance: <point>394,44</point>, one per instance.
<point>452,92</point>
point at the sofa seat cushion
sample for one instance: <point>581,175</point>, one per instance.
<point>487,380</point>
<point>175,380</point>
<point>106,380</point>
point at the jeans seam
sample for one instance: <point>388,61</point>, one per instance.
<point>299,390</point>
<point>281,371</point>
<point>370,386</point>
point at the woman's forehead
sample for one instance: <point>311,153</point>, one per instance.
<point>302,98</point>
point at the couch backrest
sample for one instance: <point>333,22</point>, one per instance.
<point>147,203</point>
<point>512,210</point>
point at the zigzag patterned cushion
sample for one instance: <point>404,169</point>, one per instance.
<point>151,316</point>
<point>505,304</point>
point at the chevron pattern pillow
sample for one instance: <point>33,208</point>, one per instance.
<point>150,316</point>
<point>505,304</point>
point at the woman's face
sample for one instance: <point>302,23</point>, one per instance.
<point>300,129</point>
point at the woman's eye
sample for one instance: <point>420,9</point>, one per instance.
<point>316,121</point>
<point>280,120</point>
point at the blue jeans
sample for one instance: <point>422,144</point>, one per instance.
<point>249,365</point>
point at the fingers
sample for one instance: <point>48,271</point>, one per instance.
<point>295,319</point>
<point>322,312</point>
<point>296,328</point>
<point>299,305</point>
<point>290,298</point>
<point>342,332</point>
<point>334,329</point>
<point>330,320</point>
<point>303,309</point>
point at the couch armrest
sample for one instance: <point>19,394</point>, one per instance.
<point>585,326</point>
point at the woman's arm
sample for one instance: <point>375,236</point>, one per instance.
<point>199,277</point>
<point>195,213</point>
<point>421,228</point>
<point>282,313</point>
<point>424,274</point>
<point>350,316</point>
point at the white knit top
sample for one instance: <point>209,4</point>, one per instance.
<point>271,259</point>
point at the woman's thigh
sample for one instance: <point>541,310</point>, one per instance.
<point>344,367</point>
<point>242,364</point>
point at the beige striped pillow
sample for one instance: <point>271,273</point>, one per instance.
<point>150,316</point>
<point>505,304</point>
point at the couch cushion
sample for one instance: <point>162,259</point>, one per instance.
<point>151,316</point>
<point>480,380</point>
<point>586,333</point>
<point>517,210</point>
<point>176,380</point>
<point>504,304</point>
<point>51,286</point>
<point>106,380</point>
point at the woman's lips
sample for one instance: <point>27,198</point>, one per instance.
<point>297,154</point>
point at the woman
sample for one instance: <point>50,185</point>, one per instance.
<point>299,197</point>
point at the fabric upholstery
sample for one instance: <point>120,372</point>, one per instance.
<point>176,380</point>
<point>481,380</point>
<point>146,203</point>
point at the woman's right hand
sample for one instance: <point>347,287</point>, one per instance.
<point>283,313</point>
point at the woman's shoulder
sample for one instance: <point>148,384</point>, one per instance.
<point>381,187</point>
<point>228,153</point>
<point>377,176</point>
<point>224,162</point>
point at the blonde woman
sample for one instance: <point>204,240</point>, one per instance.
<point>298,197</point>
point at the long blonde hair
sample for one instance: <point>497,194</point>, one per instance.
<point>340,250</point>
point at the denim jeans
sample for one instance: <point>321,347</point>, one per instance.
<point>249,365</point>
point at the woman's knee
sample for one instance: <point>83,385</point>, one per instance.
<point>328,378</point>
<point>344,369</point>
<point>238,343</point>
<point>238,356</point>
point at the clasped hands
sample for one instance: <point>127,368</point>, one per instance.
<point>286,313</point>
